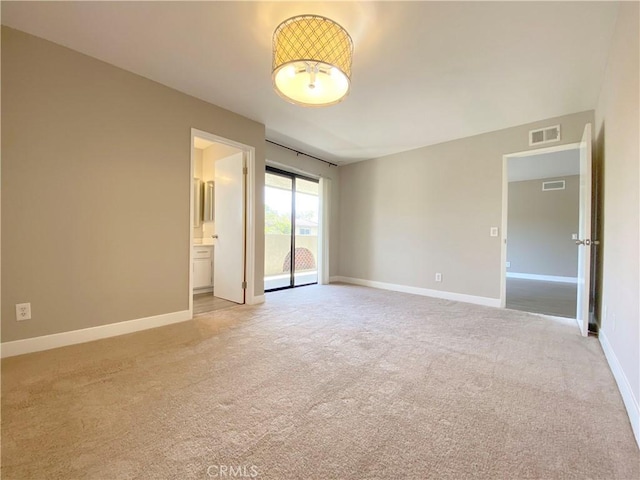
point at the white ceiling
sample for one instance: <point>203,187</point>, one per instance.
<point>423,72</point>
<point>544,165</point>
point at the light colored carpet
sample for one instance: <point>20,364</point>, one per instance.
<point>323,382</point>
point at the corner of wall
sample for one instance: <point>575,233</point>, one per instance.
<point>617,156</point>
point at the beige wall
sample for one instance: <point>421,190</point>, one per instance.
<point>95,189</point>
<point>617,128</point>
<point>540,225</point>
<point>285,159</point>
<point>405,217</point>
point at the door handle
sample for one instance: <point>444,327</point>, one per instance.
<point>214,236</point>
<point>585,242</point>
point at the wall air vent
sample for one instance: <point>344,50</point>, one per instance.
<point>544,135</point>
<point>555,185</point>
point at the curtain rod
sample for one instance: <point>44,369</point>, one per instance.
<point>302,153</point>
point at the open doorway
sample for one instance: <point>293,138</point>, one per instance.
<point>219,223</point>
<point>542,221</point>
<point>546,253</point>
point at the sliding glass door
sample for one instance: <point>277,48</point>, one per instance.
<point>278,220</point>
<point>306,206</point>
<point>291,230</point>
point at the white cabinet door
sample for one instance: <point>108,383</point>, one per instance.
<point>201,273</point>
<point>202,267</point>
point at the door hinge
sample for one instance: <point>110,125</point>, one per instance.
<point>244,285</point>
<point>245,170</point>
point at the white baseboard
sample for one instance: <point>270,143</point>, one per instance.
<point>545,278</point>
<point>47,342</point>
<point>203,290</point>
<point>334,279</point>
<point>425,292</point>
<point>256,300</point>
<point>630,402</point>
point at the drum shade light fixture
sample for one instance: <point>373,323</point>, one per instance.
<point>311,61</point>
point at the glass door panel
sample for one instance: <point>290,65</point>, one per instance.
<point>278,200</point>
<point>306,208</point>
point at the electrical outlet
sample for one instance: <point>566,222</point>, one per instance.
<point>23,311</point>
<point>508,264</point>
<point>438,277</point>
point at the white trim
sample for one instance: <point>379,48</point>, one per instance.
<point>250,228</point>
<point>335,278</point>
<point>541,151</point>
<point>630,402</point>
<point>543,278</point>
<point>56,340</point>
<point>256,300</point>
<point>250,214</point>
<point>425,292</point>
<point>503,239</point>
<point>505,205</point>
<point>202,290</point>
<point>192,170</point>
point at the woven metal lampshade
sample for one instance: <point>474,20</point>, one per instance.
<point>311,61</point>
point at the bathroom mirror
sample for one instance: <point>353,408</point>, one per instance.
<point>209,199</point>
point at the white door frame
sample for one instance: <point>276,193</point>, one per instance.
<point>505,206</point>
<point>250,215</point>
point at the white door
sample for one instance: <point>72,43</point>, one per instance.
<point>228,250</point>
<point>584,235</point>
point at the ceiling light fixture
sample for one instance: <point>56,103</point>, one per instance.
<point>311,61</point>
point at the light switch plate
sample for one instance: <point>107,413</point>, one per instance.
<point>494,231</point>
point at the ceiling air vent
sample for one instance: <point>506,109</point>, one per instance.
<point>544,135</point>
<point>555,185</point>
